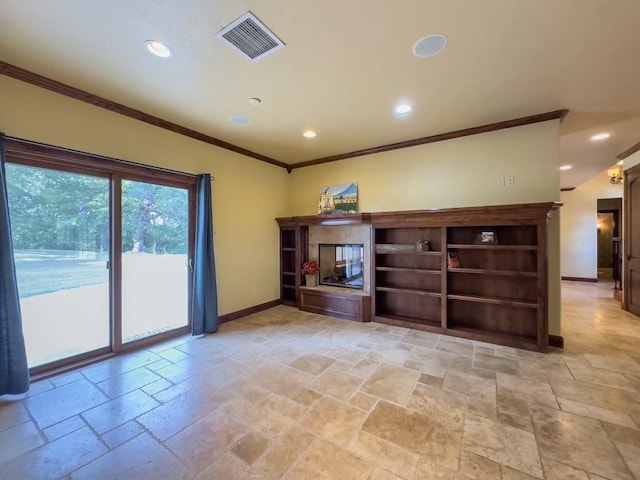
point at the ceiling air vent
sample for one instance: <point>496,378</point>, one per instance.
<point>249,36</point>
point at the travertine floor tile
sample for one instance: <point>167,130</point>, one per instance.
<point>280,379</point>
<point>55,459</point>
<point>12,414</point>
<point>596,395</point>
<point>559,471</point>
<point>336,384</point>
<point>475,467</point>
<point>364,401</point>
<point>424,435</point>
<point>64,428</point>
<point>116,412</point>
<point>444,407</point>
<point>323,460</point>
<point>471,385</point>
<point>503,444</point>
<point>312,363</point>
<point>127,382</point>
<point>141,458</point>
<point>387,455</point>
<point>18,440</point>
<point>250,447</point>
<point>273,415</point>
<point>201,443</point>
<point>391,383</point>
<point>69,400</point>
<point>631,454</point>
<point>283,451</point>
<point>577,441</point>
<point>596,412</point>
<point>333,420</point>
<point>231,467</point>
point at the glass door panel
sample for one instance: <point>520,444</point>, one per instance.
<point>60,230</point>
<point>155,248</point>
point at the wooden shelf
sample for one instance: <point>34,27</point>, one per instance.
<point>409,270</point>
<point>288,286</point>
<point>411,322</point>
<point>520,341</point>
<point>473,246</point>
<point>413,291</point>
<point>492,300</point>
<point>288,249</point>
<point>408,252</point>
<point>483,271</point>
<point>288,273</point>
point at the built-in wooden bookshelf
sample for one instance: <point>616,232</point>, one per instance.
<point>478,272</point>
<point>407,282</point>
<point>494,291</point>
<point>293,253</point>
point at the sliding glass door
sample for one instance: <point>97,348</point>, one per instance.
<point>60,227</point>
<point>102,251</point>
<point>155,253</point>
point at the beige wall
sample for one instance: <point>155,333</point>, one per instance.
<point>247,194</point>
<point>578,227</point>
<point>632,160</point>
<point>454,173</point>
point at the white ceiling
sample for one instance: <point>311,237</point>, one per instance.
<point>346,64</point>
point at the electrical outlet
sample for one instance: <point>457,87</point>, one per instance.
<point>509,181</point>
<point>500,182</point>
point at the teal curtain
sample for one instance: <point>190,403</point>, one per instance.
<point>14,372</point>
<point>205,296</point>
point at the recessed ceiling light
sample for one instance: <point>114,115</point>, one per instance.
<point>159,49</point>
<point>254,101</point>
<point>565,167</point>
<point>621,162</point>
<point>430,46</point>
<point>309,134</point>
<point>403,109</point>
<point>242,121</point>
<point>600,136</point>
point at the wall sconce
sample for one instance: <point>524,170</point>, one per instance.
<point>615,175</point>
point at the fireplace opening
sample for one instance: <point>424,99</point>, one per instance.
<point>341,265</point>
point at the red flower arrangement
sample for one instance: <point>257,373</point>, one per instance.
<point>310,267</point>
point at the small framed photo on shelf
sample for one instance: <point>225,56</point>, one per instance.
<point>486,236</point>
<point>453,261</point>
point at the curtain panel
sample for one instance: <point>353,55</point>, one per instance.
<point>205,297</point>
<point>14,371</point>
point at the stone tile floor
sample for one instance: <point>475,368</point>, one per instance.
<point>286,394</point>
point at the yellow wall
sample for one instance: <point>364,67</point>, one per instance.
<point>247,194</point>
<point>454,173</point>
<point>460,172</point>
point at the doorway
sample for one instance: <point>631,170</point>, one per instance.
<point>609,231</point>
<point>102,251</point>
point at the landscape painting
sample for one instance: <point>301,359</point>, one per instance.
<point>338,199</point>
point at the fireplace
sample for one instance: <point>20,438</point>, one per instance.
<point>341,265</point>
